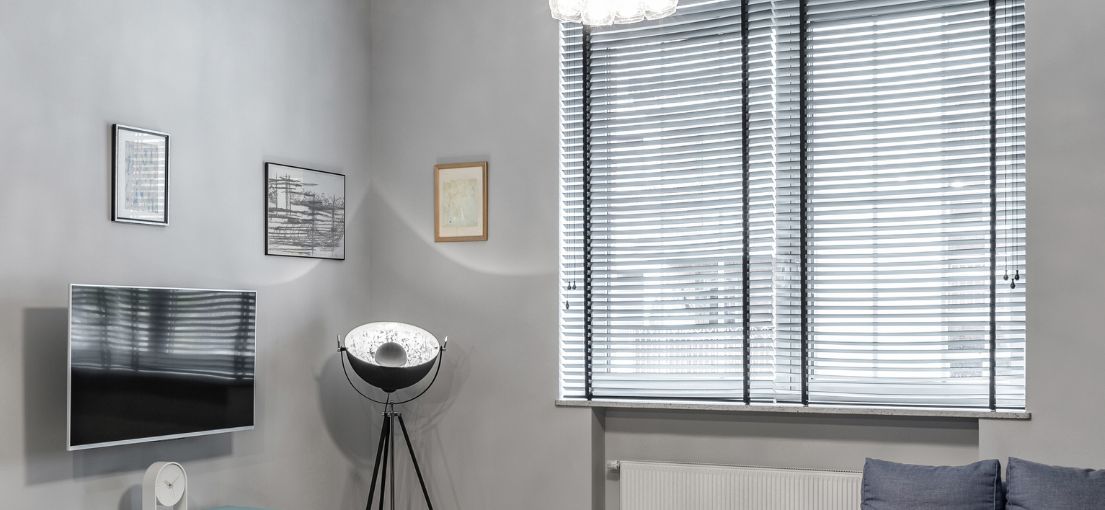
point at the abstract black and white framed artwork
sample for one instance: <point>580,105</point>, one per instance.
<point>304,212</point>
<point>139,176</point>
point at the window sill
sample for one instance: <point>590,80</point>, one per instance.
<point>916,412</point>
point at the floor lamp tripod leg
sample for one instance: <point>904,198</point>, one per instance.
<point>384,473</point>
<point>391,454</point>
<point>376,465</point>
<point>414,460</point>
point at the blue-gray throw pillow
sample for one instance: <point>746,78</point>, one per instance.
<point>893,486</point>
<point>1033,486</point>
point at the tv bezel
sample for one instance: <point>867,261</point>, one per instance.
<point>150,439</point>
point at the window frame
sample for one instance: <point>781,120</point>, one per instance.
<point>745,402</point>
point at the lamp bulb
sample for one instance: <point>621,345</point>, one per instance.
<point>391,354</point>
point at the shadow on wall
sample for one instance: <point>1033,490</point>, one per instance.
<point>45,361</point>
<point>462,290</point>
<point>132,498</point>
<point>415,219</point>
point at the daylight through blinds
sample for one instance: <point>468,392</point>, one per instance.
<point>810,202</point>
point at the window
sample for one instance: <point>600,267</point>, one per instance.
<point>813,202</point>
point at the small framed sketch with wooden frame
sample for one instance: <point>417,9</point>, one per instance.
<point>460,202</point>
<point>139,176</point>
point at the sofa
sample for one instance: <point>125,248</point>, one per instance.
<point>979,486</point>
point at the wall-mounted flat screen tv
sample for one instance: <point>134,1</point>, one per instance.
<point>148,364</point>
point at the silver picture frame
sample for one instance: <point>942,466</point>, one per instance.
<point>139,176</point>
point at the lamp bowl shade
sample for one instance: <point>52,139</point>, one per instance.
<point>391,355</point>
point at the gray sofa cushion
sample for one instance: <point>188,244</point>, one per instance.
<point>1033,486</point>
<point>893,486</point>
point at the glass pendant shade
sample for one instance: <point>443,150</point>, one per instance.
<point>391,355</point>
<point>609,12</point>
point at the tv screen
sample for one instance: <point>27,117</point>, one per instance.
<point>147,364</point>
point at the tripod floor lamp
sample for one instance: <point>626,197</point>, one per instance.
<point>391,356</point>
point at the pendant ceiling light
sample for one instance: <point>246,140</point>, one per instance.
<point>609,12</point>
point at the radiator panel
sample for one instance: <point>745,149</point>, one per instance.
<point>661,486</point>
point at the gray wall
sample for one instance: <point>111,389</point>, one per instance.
<point>235,83</point>
<point>1066,241</point>
<point>477,80</point>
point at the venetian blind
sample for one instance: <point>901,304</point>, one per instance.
<point>788,201</point>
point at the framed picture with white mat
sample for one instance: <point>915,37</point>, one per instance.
<point>460,202</point>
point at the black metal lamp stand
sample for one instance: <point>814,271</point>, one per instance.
<point>385,451</point>
<point>385,455</point>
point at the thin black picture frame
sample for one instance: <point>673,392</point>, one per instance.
<point>265,199</point>
<point>115,216</point>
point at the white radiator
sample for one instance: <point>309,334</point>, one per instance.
<point>661,486</point>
